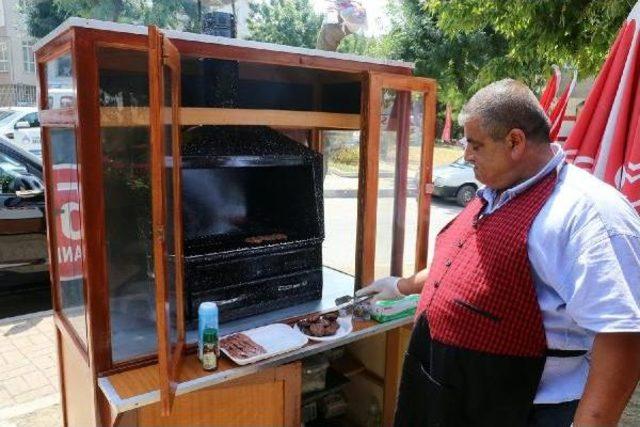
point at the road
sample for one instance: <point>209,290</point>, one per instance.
<point>340,232</point>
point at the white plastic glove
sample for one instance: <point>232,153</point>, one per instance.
<point>384,289</point>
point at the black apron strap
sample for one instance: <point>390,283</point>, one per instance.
<point>565,353</point>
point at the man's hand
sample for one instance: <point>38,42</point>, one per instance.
<point>386,288</point>
<point>614,374</point>
<point>395,287</point>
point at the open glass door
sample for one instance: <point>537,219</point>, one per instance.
<point>164,104</point>
<point>396,154</point>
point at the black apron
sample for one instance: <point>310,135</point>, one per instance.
<point>446,386</point>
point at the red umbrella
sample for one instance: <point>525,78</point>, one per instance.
<point>557,115</point>
<point>551,89</point>
<point>606,136</point>
<point>446,130</point>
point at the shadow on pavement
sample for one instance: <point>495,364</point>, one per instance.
<point>31,300</point>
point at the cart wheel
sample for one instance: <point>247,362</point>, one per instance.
<point>465,194</point>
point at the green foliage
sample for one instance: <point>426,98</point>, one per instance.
<point>287,22</point>
<point>44,15</point>
<point>346,155</point>
<point>466,44</point>
<point>538,33</point>
<point>455,61</point>
<point>5,182</point>
<point>356,44</point>
<point>359,44</point>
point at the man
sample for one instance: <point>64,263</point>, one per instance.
<point>529,314</point>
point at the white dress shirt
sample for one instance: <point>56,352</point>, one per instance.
<point>584,249</point>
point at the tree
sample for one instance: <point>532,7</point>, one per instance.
<point>455,61</point>
<point>539,33</point>
<point>44,15</point>
<point>287,22</point>
<point>356,44</point>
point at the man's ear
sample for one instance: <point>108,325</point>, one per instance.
<point>517,141</point>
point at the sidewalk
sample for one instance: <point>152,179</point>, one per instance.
<point>29,395</point>
<point>29,387</point>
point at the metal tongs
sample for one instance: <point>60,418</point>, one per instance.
<point>347,302</point>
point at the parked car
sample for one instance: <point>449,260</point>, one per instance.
<point>21,126</point>
<point>455,181</point>
<point>23,248</point>
<point>60,97</point>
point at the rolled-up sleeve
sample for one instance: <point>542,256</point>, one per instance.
<point>602,285</point>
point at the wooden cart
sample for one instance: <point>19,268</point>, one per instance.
<point>107,178</point>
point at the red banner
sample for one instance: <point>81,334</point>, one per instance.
<point>66,205</point>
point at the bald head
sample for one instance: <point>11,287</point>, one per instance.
<point>504,105</point>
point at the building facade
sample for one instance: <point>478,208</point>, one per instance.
<point>17,62</point>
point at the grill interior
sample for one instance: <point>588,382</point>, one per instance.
<point>252,215</point>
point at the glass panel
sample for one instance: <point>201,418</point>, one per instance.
<point>233,84</point>
<point>413,177</point>
<point>341,151</point>
<point>169,201</point>
<point>398,175</point>
<point>127,199</point>
<point>61,92</point>
<point>389,123</point>
<point>67,227</point>
<point>450,174</point>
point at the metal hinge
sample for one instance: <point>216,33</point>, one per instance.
<point>428,188</point>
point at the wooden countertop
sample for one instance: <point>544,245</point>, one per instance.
<point>139,387</point>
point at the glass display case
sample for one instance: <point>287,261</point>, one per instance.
<point>175,159</point>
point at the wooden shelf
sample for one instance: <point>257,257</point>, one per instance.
<point>139,116</point>
<point>139,387</point>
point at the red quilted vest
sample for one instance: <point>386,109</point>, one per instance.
<point>480,294</point>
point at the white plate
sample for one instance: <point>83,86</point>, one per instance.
<point>346,326</point>
<point>276,339</point>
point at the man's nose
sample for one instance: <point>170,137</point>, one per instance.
<point>468,156</point>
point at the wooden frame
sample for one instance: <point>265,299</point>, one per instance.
<point>91,122</point>
<point>368,173</point>
<point>368,196</point>
<point>403,100</point>
<point>88,118</point>
<point>265,56</point>
<point>368,180</point>
<point>283,381</point>
<point>425,185</point>
<point>139,116</point>
<point>162,54</point>
<point>66,334</point>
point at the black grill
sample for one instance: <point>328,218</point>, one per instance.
<point>253,220</point>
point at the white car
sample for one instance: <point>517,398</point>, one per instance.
<point>21,126</point>
<point>60,97</point>
<point>456,181</point>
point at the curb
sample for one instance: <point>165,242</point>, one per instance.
<point>37,314</point>
<point>343,174</point>
<point>29,407</point>
<point>351,193</point>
